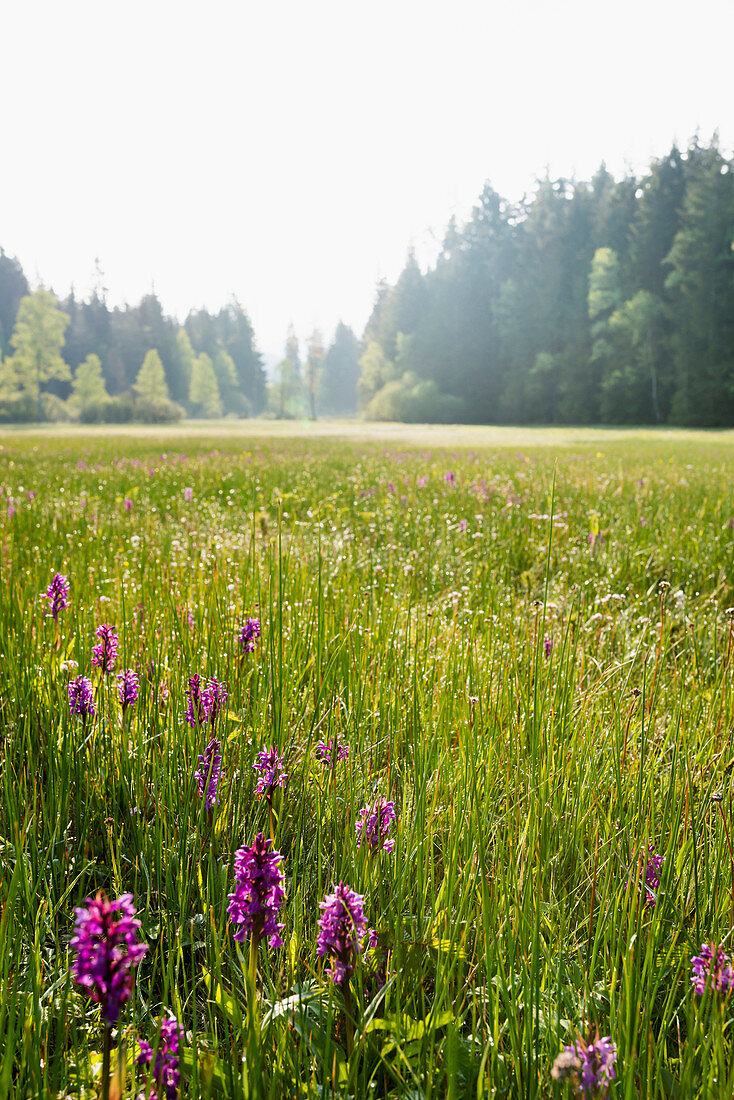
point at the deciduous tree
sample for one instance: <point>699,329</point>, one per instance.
<point>37,340</point>
<point>88,387</point>
<point>204,391</point>
<point>150,383</point>
<point>314,367</point>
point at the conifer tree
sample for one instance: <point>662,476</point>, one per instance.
<point>150,383</point>
<point>338,387</point>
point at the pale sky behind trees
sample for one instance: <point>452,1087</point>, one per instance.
<point>289,153</point>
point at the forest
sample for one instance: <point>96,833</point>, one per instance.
<point>609,301</point>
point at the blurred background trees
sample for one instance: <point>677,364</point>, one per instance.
<point>607,301</point>
<point>610,301</point>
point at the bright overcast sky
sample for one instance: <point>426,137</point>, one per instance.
<point>290,152</point>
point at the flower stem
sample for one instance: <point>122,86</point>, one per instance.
<point>106,1063</point>
<point>253,962</point>
<point>252,1004</point>
<point>349,1023</point>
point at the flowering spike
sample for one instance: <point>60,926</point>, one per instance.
<point>57,595</point>
<point>712,970</point>
<point>340,928</point>
<point>373,825</point>
<point>590,1066</point>
<point>207,777</point>
<point>128,687</point>
<point>166,1074</point>
<point>330,753</point>
<point>269,763</point>
<point>104,654</point>
<point>650,875</point>
<point>258,892</point>
<point>205,700</point>
<point>107,951</point>
<point>215,696</point>
<point>81,697</point>
<point>249,635</point>
<point>195,706</point>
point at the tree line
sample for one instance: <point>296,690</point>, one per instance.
<point>82,360</point>
<point>610,301</point>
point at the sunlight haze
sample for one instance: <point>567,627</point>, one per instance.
<point>290,154</point>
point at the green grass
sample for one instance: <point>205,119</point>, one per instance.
<point>407,619</point>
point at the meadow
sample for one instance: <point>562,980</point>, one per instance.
<point>519,642</point>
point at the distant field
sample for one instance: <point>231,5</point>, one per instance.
<point>522,638</point>
<point>437,435</point>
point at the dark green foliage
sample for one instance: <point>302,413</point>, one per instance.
<point>701,290</point>
<point>656,221</point>
<point>13,287</point>
<point>338,389</point>
<point>504,322</point>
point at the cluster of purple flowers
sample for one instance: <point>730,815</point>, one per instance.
<point>166,1074</point>
<point>258,892</point>
<point>269,763</point>
<point>207,777</point>
<point>107,951</point>
<point>650,875</point>
<point>589,1066</point>
<point>373,825</point>
<point>215,697</point>
<point>341,927</point>
<point>330,753</point>
<point>57,595</point>
<point>128,687</point>
<point>249,635</point>
<point>712,970</point>
<point>104,654</point>
<point>205,700</point>
<point>195,707</point>
<point>81,697</point>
